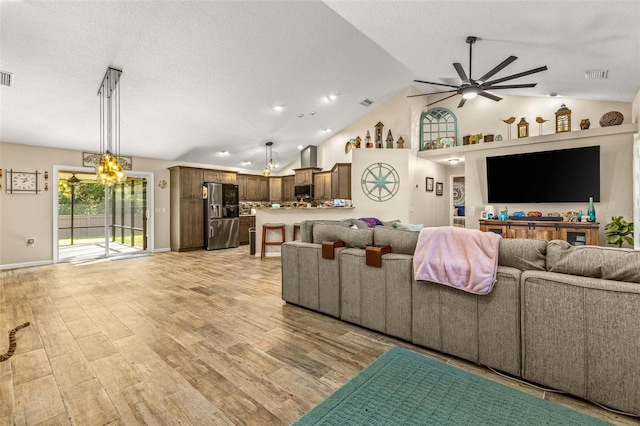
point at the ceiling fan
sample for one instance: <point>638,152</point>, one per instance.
<point>470,88</point>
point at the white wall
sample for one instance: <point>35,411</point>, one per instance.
<point>615,179</point>
<point>30,216</point>
<point>395,114</point>
<point>481,115</point>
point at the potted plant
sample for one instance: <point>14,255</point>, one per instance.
<point>618,232</point>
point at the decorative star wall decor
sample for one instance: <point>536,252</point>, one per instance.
<point>380,182</point>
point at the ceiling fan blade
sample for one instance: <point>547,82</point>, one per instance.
<point>511,86</point>
<point>462,101</point>
<point>490,96</point>
<point>461,73</point>
<point>440,100</point>
<point>511,77</point>
<point>434,93</point>
<point>437,84</point>
<point>498,68</point>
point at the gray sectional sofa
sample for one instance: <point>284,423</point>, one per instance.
<point>561,316</point>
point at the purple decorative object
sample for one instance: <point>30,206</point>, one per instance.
<point>371,221</point>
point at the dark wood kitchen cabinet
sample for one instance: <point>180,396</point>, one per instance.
<point>275,189</point>
<point>252,187</point>
<point>219,176</point>
<point>288,188</point>
<point>186,221</point>
<point>341,181</point>
<point>322,186</point>
<point>246,222</point>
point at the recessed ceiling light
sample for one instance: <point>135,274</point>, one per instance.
<point>332,97</point>
<point>312,113</point>
<point>300,115</point>
<point>278,108</point>
<point>300,147</point>
<point>327,130</point>
<point>223,153</point>
<point>454,161</point>
<point>246,163</point>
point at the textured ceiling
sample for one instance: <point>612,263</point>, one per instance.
<point>200,77</point>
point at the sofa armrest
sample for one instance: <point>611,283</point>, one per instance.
<point>581,335</point>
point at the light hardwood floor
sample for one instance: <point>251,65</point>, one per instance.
<point>180,338</point>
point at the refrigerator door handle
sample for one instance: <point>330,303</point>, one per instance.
<point>211,231</point>
<point>215,210</point>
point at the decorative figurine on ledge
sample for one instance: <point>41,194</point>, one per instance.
<point>540,121</point>
<point>563,119</point>
<point>509,121</point>
<point>379,128</point>
<point>389,140</point>
<point>523,128</point>
<point>400,143</point>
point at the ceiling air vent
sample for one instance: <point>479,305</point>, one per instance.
<point>596,74</point>
<point>366,102</point>
<point>5,78</point>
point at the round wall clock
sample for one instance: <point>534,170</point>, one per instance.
<point>380,182</point>
<point>22,181</point>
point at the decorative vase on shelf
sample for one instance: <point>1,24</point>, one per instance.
<point>591,211</point>
<point>584,124</point>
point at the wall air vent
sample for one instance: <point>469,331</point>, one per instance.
<point>596,74</point>
<point>5,78</point>
<point>366,102</point>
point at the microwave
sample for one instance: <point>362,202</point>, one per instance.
<point>304,192</point>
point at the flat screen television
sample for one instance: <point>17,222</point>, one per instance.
<point>559,176</point>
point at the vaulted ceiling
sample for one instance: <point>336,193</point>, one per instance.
<point>201,77</point>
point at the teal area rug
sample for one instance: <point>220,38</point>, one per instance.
<point>404,388</point>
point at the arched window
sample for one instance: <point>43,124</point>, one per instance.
<point>438,129</point>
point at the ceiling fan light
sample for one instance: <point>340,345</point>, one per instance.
<point>470,92</point>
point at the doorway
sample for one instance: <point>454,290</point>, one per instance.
<point>457,201</point>
<point>92,221</point>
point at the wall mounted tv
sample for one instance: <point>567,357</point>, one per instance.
<point>559,176</point>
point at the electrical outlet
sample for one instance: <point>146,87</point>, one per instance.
<point>31,242</point>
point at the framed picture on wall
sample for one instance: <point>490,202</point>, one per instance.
<point>429,184</point>
<point>439,188</point>
<point>484,214</point>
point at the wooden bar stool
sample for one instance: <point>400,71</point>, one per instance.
<point>296,228</point>
<point>271,227</point>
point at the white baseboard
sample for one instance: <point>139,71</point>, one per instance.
<point>162,250</point>
<point>26,264</point>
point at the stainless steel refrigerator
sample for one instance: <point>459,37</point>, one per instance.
<point>221,215</point>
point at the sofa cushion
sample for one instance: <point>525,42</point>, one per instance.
<point>609,263</point>
<point>523,254</point>
<point>409,226</point>
<point>358,238</point>
<point>403,242</point>
<point>306,227</point>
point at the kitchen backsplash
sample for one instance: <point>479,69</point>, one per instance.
<point>245,207</point>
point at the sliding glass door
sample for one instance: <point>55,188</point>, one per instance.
<point>128,202</point>
<point>95,221</point>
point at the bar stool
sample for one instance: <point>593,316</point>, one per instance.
<point>296,228</point>
<point>271,227</point>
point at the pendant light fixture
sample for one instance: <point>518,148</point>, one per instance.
<point>268,159</point>
<point>109,170</point>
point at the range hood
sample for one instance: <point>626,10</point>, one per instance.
<point>309,157</point>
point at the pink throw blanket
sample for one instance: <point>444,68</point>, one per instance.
<point>466,259</point>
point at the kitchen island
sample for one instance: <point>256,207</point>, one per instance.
<point>291,215</point>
